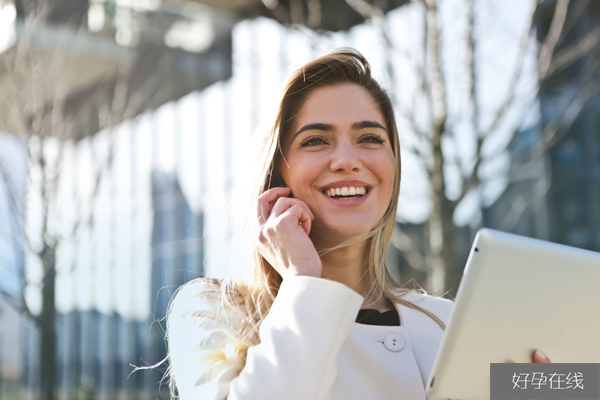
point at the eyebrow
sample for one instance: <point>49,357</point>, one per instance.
<point>329,128</point>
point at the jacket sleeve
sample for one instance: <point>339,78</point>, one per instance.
<point>299,342</point>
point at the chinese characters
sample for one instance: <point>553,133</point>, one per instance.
<point>572,380</point>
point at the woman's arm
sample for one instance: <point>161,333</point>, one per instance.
<point>296,358</point>
<point>299,339</point>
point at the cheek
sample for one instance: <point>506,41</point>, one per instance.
<point>386,172</point>
<point>300,172</point>
<point>384,166</point>
<point>390,167</point>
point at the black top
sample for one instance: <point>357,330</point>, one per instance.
<point>375,317</point>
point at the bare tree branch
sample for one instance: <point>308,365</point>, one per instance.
<point>433,86</point>
<point>555,130</point>
<point>559,125</point>
<point>552,37</point>
<point>472,77</point>
<point>467,182</point>
<point>512,85</point>
<point>546,52</point>
<point>377,16</point>
<point>472,180</point>
<point>422,71</point>
<point>439,107</point>
<point>519,206</point>
<point>575,11</point>
<point>575,52</point>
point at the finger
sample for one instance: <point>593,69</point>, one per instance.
<point>273,194</point>
<point>540,358</point>
<point>265,202</point>
<point>284,203</point>
<point>299,216</point>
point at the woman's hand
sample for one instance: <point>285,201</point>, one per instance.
<point>282,237</point>
<point>540,358</point>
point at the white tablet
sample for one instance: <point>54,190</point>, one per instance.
<point>517,294</point>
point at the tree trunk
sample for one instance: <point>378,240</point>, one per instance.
<point>48,324</point>
<point>443,276</point>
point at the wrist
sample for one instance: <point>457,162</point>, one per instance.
<point>314,272</point>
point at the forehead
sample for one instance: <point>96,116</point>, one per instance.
<point>339,105</point>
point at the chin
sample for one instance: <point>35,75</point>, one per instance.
<point>345,231</point>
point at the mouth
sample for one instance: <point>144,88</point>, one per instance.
<point>346,192</point>
<point>346,196</point>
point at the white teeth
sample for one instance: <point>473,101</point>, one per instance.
<point>346,191</point>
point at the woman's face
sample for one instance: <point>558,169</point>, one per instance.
<point>340,160</point>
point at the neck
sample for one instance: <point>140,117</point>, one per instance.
<point>347,265</point>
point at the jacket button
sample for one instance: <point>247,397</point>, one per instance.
<point>393,343</point>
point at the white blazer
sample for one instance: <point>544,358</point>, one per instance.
<point>311,347</point>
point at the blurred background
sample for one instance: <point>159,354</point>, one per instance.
<point>126,137</point>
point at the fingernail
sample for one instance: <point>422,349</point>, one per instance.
<point>541,355</point>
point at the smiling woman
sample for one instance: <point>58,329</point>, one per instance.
<point>323,318</point>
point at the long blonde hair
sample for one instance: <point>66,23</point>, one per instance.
<point>341,66</point>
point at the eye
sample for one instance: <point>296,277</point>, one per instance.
<point>312,141</point>
<point>372,138</point>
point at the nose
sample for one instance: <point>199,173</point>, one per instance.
<point>344,158</point>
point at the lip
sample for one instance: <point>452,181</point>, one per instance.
<point>349,202</point>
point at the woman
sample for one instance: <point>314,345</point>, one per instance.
<point>323,318</point>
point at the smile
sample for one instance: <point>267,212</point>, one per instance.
<point>348,200</point>
<point>350,192</point>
